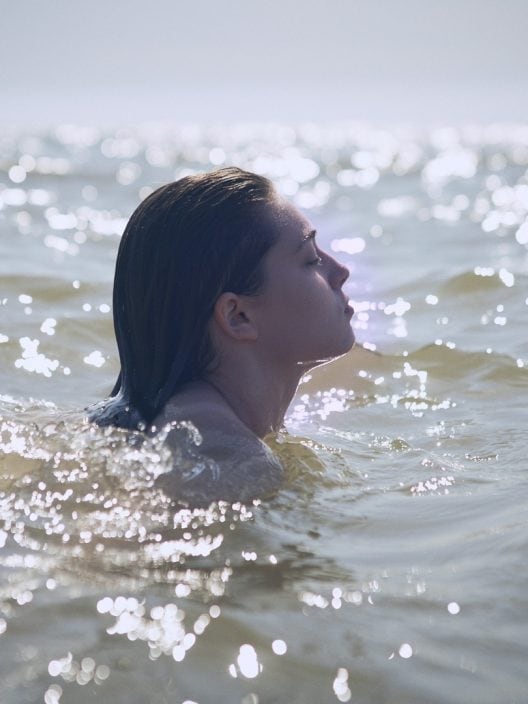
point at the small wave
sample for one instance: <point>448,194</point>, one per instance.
<point>480,279</point>
<point>488,368</point>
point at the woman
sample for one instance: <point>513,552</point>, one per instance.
<point>222,301</point>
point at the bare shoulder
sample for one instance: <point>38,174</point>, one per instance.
<point>217,458</point>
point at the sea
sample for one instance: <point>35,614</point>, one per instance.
<point>391,567</point>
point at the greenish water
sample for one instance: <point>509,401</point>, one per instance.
<point>391,567</point>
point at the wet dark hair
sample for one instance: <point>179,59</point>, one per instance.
<point>186,244</point>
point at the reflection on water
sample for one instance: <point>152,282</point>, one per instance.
<point>387,568</point>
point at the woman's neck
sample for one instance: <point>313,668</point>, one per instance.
<point>259,401</point>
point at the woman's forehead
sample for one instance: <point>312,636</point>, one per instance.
<point>294,227</point>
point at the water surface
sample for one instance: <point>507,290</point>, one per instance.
<point>391,567</point>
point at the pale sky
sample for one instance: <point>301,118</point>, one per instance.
<point>418,61</point>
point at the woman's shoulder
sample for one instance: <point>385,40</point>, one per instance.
<point>216,457</point>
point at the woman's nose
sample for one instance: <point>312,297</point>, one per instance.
<point>339,273</point>
<point>345,272</point>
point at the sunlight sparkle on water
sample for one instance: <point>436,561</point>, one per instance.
<point>61,244</point>
<point>507,278</point>
<point>60,221</point>
<point>349,245</point>
<point>95,359</point>
<point>163,630</point>
<point>453,162</point>
<point>484,271</point>
<point>127,173</point>
<point>397,207</point>
<point>17,174</point>
<point>247,661</point>
<point>279,647</point>
<point>84,672</point>
<point>34,361</point>
<point>405,651</point>
<point>201,624</point>
<point>311,599</point>
<point>340,685</point>
<point>398,308</point>
<point>53,694</point>
<point>48,326</point>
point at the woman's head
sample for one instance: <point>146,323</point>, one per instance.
<point>301,315</point>
<point>185,244</point>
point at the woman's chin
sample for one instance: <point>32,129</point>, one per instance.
<point>349,341</point>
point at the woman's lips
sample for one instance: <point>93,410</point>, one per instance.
<point>349,310</point>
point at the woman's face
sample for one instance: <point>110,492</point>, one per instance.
<point>303,315</point>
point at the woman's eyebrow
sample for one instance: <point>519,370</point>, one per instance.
<point>310,236</point>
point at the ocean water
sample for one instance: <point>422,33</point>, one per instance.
<point>391,568</point>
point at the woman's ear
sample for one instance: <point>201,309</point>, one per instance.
<point>233,315</point>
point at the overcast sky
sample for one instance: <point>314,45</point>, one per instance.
<point>416,61</point>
